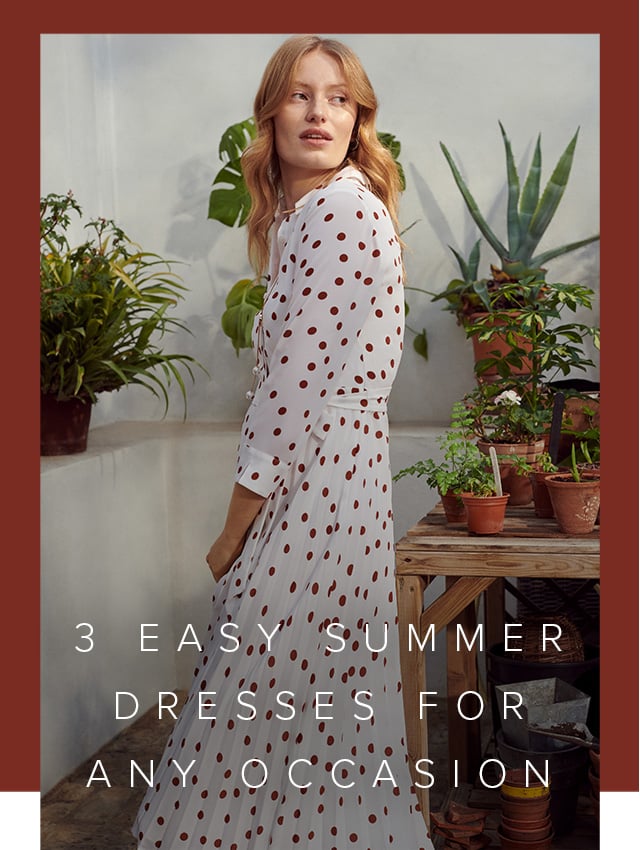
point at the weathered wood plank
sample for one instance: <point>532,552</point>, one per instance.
<point>409,595</point>
<point>449,604</point>
<point>498,564</point>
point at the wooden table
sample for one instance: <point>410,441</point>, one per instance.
<point>472,565</point>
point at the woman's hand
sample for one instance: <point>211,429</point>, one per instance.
<point>221,556</point>
<point>244,506</point>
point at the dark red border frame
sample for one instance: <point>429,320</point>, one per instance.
<point>19,618</point>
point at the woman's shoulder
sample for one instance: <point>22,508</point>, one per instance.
<point>347,193</point>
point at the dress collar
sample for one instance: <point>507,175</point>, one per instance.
<point>349,171</point>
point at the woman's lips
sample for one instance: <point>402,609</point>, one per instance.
<point>315,137</point>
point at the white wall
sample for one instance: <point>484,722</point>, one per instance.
<point>131,123</point>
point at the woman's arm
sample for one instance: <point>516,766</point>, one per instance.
<point>244,506</point>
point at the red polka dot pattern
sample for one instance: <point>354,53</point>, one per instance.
<point>297,735</point>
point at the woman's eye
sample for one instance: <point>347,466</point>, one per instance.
<point>339,98</point>
<point>299,95</point>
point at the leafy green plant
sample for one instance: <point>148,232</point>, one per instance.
<point>543,463</point>
<point>541,346</point>
<point>499,415</point>
<point>104,308</point>
<point>230,202</point>
<point>463,467</point>
<point>529,214</point>
<point>587,439</point>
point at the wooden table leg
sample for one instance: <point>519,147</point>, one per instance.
<point>462,675</point>
<point>494,613</point>
<point>409,596</point>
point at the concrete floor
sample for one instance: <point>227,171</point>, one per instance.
<point>74,817</point>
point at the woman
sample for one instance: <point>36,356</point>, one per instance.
<point>293,729</point>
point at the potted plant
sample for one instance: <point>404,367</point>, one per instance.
<point>575,496</point>
<point>453,474</point>
<point>465,476</point>
<point>537,473</point>
<point>505,420</point>
<point>104,307</point>
<point>529,214</point>
<point>484,500</point>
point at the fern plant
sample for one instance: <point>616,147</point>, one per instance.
<point>104,308</point>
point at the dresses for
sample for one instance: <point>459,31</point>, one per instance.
<point>293,731</point>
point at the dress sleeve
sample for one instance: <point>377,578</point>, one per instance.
<point>341,260</point>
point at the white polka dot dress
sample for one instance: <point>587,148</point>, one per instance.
<point>293,732</point>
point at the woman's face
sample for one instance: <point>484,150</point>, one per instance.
<point>315,121</point>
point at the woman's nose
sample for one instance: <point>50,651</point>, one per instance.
<point>315,111</point>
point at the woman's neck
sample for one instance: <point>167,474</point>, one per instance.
<point>296,186</point>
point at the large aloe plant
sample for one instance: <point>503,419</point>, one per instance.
<point>529,213</point>
<point>229,203</point>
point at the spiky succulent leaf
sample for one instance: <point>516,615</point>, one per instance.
<point>545,256</point>
<point>469,268</point>
<point>548,203</point>
<point>514,234</point>
<point>531,188</point>
<point>472,206</point>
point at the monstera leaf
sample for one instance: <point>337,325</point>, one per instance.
<point>243,301</point>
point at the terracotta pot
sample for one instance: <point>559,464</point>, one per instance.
<point>516,844</point>
<point>541,500</point>
<point>517,485</point>
<point>522,784</point>
<point>454,508</point>
<point>64,425</point>
<point>485,514</point>
<point>527,832</point>
<point>530,809</point>
<point>482,350</point>
<point>514,823</point>
<point>575,503</point>
<point>574,408</point>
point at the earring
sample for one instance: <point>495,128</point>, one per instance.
<point>353,144</point>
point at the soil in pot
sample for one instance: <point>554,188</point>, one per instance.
<point>485,514</point>
<point>64,425</point>
<point>575,503</point>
